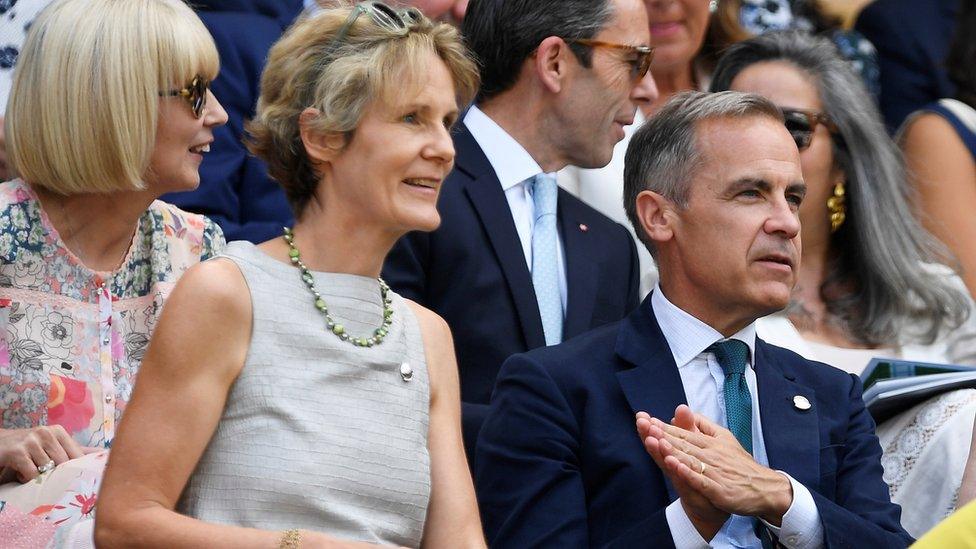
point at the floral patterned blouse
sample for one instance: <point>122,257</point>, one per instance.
<point>72,339</point>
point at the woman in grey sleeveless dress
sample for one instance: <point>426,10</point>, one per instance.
<point>289,397</point>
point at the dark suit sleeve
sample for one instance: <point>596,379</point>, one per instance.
<point>530,487</point>
<point>405,268</point>
<point>861,513</point>
<point>907,80</point>
<point>633,285</point>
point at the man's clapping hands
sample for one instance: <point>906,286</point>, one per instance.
<point>713,475</point>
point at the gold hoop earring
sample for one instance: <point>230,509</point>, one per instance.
<point>837,207</point>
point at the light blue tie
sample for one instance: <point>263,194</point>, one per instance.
<point>545,263</point>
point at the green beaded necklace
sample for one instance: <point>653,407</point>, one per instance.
<point>338,329</point>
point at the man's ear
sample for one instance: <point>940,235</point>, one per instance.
<point>320,146</point>
<point>551,63</point>
<point>656,216</point>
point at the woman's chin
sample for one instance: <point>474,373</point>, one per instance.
<point>429,225</point>
<point>427,222</point>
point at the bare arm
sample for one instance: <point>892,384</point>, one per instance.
<point>452,517</point>
<point>196,353</point>
<point>944,175</point>
<point>967,490</point>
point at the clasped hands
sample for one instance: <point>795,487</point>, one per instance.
<point>713,475</point>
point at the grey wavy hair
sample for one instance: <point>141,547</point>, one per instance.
<point>877,284</point>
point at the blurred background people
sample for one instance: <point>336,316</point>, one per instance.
<point>109,109</point>
<point>871,283</point>
<point>682,59</point>
<point>940,149</point>
<point>15,20</point>
<point>813,17</point>
<point>289,397</point>
<point>912,39</point>
<point>518,263</point>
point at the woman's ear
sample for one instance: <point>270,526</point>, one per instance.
<point>655,215</point>
<point>320,146</point>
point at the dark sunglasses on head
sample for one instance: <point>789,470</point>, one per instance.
<point>195,93</point>
<point>802,123</point>
<point>383,16</point>
<point>639,65</point>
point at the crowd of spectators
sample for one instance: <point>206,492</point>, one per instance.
<point>468,273</point>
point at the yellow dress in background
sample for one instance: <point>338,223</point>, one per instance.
<point>956,532</point>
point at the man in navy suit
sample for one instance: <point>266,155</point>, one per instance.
<point>772,446</point>
<point>913,40</point>
<point>517,263</point>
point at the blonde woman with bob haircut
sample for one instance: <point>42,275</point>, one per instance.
<point>109,109</point>
<point>289,398</point>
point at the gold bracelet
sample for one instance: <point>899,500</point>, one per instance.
<point>290,539</point>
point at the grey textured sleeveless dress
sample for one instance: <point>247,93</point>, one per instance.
<point>316,433</point>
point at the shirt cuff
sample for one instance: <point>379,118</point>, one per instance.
<point>801,527</point>
<point>683,532</point>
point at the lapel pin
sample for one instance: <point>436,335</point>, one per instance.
<point>800,402</point>
<point>584,227</point>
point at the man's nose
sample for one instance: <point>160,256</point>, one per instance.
<point>644,91</point>
<point>784,220</point>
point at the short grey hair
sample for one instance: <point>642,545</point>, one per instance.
<point>876,284</point>
<point>663,155</point>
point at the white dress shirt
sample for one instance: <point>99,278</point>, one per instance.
<point>703,380</point>
<point>516,170</point>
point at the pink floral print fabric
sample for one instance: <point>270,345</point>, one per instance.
<point>72,339</point>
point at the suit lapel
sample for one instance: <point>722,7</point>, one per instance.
<point>581,271</point>
<point>488,199</point>
<point>653,385</point>
<point>791,435</point>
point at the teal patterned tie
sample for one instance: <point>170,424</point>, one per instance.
<point>732,355</point>
<point>545,261</point>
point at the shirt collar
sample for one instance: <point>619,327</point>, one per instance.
<point>687,336</point>
<point>511,162</point>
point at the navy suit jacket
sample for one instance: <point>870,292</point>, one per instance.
<point>559,462</point>
<point>235,189</point>
<point>913,39</point>
<point>472,271</point>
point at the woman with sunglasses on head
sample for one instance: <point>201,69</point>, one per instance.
<point>289,398</point>
<point>872,281</point>
<point>108,110</point>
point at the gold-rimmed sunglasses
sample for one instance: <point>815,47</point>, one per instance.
<point>195,93</point>
<point>639,65</point>
<point>382,16</point>
<point>801,123</point>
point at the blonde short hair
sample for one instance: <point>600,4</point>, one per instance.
<point>84,105</point>
<point>305,69</point>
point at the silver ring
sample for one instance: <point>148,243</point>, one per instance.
<point>46,467</point>
<point>702,465</point>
